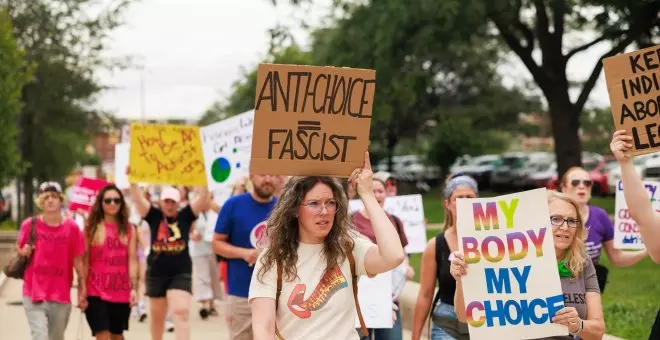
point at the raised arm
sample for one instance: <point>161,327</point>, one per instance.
<point>200,203</point>
<point>636,196</point>
<point>141,203</point>
<point>389,253</point>
<point>426,290</point>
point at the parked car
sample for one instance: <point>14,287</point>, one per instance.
<point>541,176</point>
<point>535,161</point>
<point>504,172</point>
<point>410,168</point>
<point>597,170</point>
<point>650,167</point>
<point>480,168</point>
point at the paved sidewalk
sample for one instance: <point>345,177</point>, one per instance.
<point>13,325</point>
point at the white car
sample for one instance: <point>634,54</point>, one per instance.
<point>645,166</point>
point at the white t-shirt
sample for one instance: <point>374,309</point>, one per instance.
<point>203,247</point>
<point>314,305</point>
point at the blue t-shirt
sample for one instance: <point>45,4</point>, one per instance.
<point>244,221</point>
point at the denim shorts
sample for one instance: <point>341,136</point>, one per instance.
<point>445,325</point>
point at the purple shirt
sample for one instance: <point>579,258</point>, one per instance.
<point>600,230</point>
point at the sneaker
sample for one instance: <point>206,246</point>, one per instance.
<point>169,326</point>
<point>204,313</point>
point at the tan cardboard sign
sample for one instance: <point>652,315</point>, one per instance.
<point>311,120</point>
<point>633,82</point>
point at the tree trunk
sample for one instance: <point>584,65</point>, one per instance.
<point>565,131</point>
<point>26,135</point>
<point>392,141</point>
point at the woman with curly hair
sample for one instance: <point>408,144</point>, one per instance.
<point>312,247</point>
<point>111,264</point>
<point>583,312</point>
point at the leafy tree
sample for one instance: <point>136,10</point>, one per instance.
<point>529,27</point>
<point>283,50</point>
<point>13,76</point>
<point>597,128</point>
<point>424,73</point>
<point>65,40</point>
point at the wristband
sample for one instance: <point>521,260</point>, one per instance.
<point>580,327</point>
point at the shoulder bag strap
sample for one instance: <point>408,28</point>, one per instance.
<point>439,256</point>
<point>33,231</point>
<point>277,298</point>
<point>351,260</point>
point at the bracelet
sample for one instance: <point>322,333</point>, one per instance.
<point>580,327</point>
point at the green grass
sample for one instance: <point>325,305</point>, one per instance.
<point>631,298</point>
<point>9,225</point>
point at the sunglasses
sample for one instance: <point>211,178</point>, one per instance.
<point>586,182</point>
<point>108,201</point>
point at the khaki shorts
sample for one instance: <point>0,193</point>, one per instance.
<point>240,312</point>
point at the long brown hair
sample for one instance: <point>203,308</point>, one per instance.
<point>577,253</point>
<point>282,228</point>
<point>96,215</point>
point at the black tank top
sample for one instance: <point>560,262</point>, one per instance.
<point>446,282</point>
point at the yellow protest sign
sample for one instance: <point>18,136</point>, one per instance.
<point>166,154</point>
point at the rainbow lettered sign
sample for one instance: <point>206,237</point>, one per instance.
<point>512,288</point>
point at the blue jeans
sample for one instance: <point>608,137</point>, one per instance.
<point>394,333</point>
<point>444,310</point>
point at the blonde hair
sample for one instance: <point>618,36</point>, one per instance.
<point>39,201</point>
<point>576,255</point>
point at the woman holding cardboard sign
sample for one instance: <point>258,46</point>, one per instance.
<point>582,313</point>
<point>313,248</point>
<point>435,268</point>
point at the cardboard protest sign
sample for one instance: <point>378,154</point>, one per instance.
<point>512,284</point>
<point>626,230</point>
<point>84,193</point>
<point>311,120</point>
<point>227,146</point>
<point>122,157</point>
<point>375,298</point>
<point>410,210</point>
<point>633,82</point>
<point>166,154</point>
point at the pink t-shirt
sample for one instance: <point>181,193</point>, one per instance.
<point>108,276</point>
<point>49,275</point>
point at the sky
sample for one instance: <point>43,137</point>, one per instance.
<point>193,50</point>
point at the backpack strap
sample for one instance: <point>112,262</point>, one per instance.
<point>277,298</point>
<point>351,261</point>
<point>439,256</point>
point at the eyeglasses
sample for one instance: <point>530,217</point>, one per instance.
<point>559,221</point>
<point>316,207</point>
<point>108,201</point>
<point>586,182</point>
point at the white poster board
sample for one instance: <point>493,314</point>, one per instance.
<point>626,230</point>
<point>122,156</point>
<point>375,298</point>
<point>509,247</point>
<point>410,210</point>
<point>220,196</point>
<point>227,146</point>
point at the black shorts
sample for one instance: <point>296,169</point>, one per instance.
<point>157,286</point>
<point>107,316</point>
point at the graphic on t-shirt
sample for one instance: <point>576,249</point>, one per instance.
<point>332,281</point>
<point>168,239</point>
<point>258,235</point>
